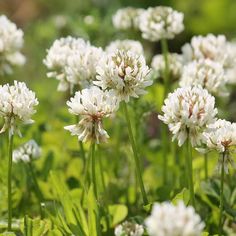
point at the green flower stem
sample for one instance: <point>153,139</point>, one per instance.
<point>10,148</point>
<point>189,163</point>
<point>135,152</point>
<point>93,166</point>
<point>101,169</point>
<point>222,195</point>
<point>164,136</point>
<point>81,145</point>
<point>35,182</point>
<point>206,166</point>
<point>38,192</point>
<point>86,178</point>
<point>166,75</point>
<point>164,130</point>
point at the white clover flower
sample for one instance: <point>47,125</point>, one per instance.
<point>125,45</point>
<point>207,73</point>
<point>187,112</point>
<point>81,65</point>
<point>160,23</point>
<point>167,219</point>
<point>92,104</point>
<point>231,69</point>
<point>126,18</point>
<point>209,46</point>
<point>17,104</point>
<point>27,152</point>
<point>175,65</point>
<point>221,136</point>
<point>57,57</point>
<point>125,73</point>
<point>11,42</point>
<point>129,229</point>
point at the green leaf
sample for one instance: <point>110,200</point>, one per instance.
<point>36,227</point>
<point>148,207</point>
<point>118,213</point>
<point>184,196</point>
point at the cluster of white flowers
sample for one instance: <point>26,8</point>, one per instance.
<point>209,46</point>
<point>187,112</point>
<point>127,18</point>
<point>125,73</point>
<point>27,152</point>
<point>160,23</point>
<point>175,62</point>
<point>231,69</point>
<point>17,104</point>
<point>11,42</point>
<point>167,219</point>
<point>81,68</point>
<point>221,135</point>
<point>208,74</point>
<point>125,45</point>
<point>72,61</point>
<point>129,229</point>
<point>92,105</point>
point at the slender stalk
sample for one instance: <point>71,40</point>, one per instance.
<point>10,148</point>
<point>221,195</point>
<point>101,170</point>
<point>189,168</point>
<point>38,192</point>
<point>166,75</point>
<point>82,151</point>
<point>93,165</point>
<point>86,175</point>
<point>81,143</point>
<point>164,130</point>
<point>164,136</point>
<point>135,152</point>
<point>36,185</point>
<point>206,166</point>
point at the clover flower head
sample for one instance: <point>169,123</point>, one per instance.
<point>27,152</point>
<point>92,105</point>
<point>127,18</point>
<point>231,69</point>
<point>175,65</point>
<point>129,229</point>
<point>125,73</point>
<point>11,42</point>
<point>58,56</point>
<point>81,65</point>
<point>160,22</point>
<point>210,47</point>
<point>125,45</point>
<point>17,104</point>
<point>221,137</point>
<point>187,112</point>
<point>208,74</point>
<point>167,219</point>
